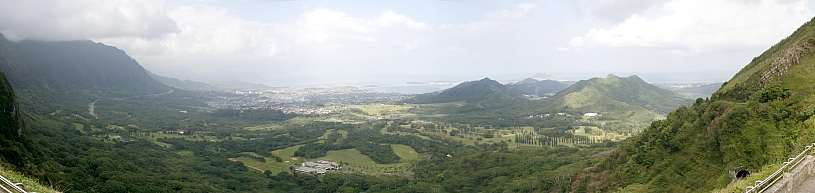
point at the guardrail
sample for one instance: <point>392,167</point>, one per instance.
<point>762,185</point>
<point>16,186</point>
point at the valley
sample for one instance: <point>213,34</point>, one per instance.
<point>82,116</point>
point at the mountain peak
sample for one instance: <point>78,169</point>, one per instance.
<point>771,94</point>
<point>487,79</point>
<point>542,76</point>
<point>485,89</point>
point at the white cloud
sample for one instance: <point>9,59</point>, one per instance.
<point>688,27</point>
<point>618,10</point>
<point>55,20</point>
<point>456,49</point>
<point>494,21</point>
<point>333,29</point>
<point>211,39</point>
<point>209,31</point>
<point>388,18</point>
<point>565,49</point>
<point>519,12</point>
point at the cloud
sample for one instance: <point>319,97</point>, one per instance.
<point>208,31</point>
<point>212,38</point>
<point>618,10</point>
<point>496,21</point>
<point>519,12</point>
<point>688,27</point>
<point>333,29</point>
<point>55,20</point>
<point>455,49</point>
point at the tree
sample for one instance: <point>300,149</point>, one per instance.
<point>454,132</point>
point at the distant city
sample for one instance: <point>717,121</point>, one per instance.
<point>301,101</point>
<point>310,101</point>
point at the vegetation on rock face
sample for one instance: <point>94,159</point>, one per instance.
<point>83,65</point>
<point>759,118</point>
<point>15,141</point>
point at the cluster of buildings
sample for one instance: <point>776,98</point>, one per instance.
<point>318,167</point>
<point>562,114</point>
<point>299,101</point>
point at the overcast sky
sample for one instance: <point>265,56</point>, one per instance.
<point>281,43</point>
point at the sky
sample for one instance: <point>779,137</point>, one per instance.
<point>312,42</point>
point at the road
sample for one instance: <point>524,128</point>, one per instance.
<point>90,108</point>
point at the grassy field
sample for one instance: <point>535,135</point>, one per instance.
<point>405,152</point>
<point>286,154</point>
<point>153,137</point>
<point>598,134</point>
<point>80,127</point>
<point>267,127</point>
<point>380,109</point>
<point>354,161</point>
<point>350,156</point>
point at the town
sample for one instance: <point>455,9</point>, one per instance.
<point>303,101</point>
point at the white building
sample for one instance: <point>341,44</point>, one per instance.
<point>319,167</point>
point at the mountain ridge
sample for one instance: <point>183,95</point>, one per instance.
<point>760,117</point>
<point>81,65</point>
<point>471,91</point>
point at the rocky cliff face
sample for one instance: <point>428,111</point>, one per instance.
<point>16,147</point>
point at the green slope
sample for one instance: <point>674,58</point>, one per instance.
<point>757,119</point>
<point>540,88</point>
<point>185,84</point>
<point>478,95</point>
<point>630,101</point>
<point>16,148</point>
<point>75,67</point>
<point>632,90</point>
<point>473,91</point>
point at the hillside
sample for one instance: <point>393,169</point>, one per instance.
<point>471,92</point>
<point>16,146</point>
<point>625,105</point>
<point>182,84</point>
<point>756,120</point>
<point>75,66</point>
<point>538,87</point>
<point>591,94</point>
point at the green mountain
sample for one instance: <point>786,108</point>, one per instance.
<point>624,104</point>
<point>16,146</point>
<point>232,85</point>
<point>474,91</point>
<point>538,87</point>
<point>758,119</point>
<point>598,93</point>
<point>182,84</point>
<point>72,66</point>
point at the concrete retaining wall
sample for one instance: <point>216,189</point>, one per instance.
<point>794,177</point>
